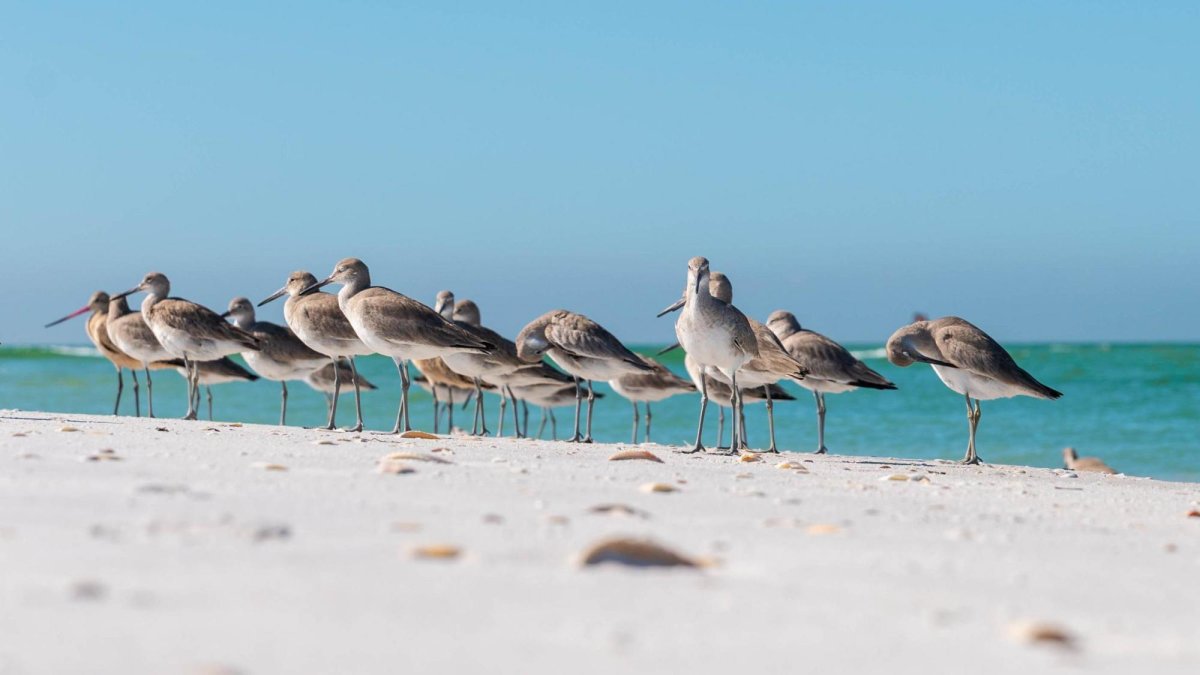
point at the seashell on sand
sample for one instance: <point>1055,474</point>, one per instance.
<point>822,528</point>
<point>619,510</point>
<point>268,466</point>
<point>394,467</point>
<point>419,434</point>
<point>749,457</point>
<point>634,553</point>
<point>1041,632</point>
<point>415,456</point>
<point>436,552</point>
<point>635,454</point>
<point>658,487</point>
<point>792,466</point>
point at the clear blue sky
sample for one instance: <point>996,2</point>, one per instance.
<point>1032,166</point>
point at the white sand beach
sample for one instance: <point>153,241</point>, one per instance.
<point>161,546</point>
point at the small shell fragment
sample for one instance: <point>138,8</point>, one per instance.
<point>323,442</point>
<point>1194,513</point>
<point>394,467</point>
<point>793,466</point>
<point>634,553</point>
<point>619,510</point>
<point>635,454</point>
<point>659,487</point>
<point>1041,632</point>
<point>436,552</point>
<point>415,456</point>
<point>68,429</point>
<point>749,457</point>
<point>900,477</point>
<point>822,528</point>
<point>268,466</point>
<point>419,434</point>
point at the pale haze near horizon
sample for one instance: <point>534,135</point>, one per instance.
<point>1031,168</point>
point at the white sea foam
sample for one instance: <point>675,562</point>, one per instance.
<point>66,350</point>
<point>880,353</point>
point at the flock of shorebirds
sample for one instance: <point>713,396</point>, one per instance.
<point>730,357</point>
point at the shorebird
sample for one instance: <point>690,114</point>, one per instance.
<point>657,385</point>
<point>129,332</point>
<point>397,326</point>
<point>500,367</point>
<point>968,361</point>
<point>187,330</point>
<point>318,321</point>
<point>1073,461</point>
<point>217,371</point>
<point>443,383</point>
<point>582,348</point>
<point>717,336</point>
<point>832,369</point>
<point>281,356</point>
<point>327,380</point>
<point>98,305</point>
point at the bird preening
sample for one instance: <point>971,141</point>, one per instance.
<point>553,361</point>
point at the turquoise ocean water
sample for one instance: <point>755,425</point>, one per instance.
<point>1137,406</point>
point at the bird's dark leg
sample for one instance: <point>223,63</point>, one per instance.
<point>636,421</point>
<point>358,424</point>
<point>525,417</point>
<point>436,420</point>
<point>503,406</point>
<point>553,426</point>
<point>516,424</point>
<point>337,389</point>
<point>647,421</point>
<point>591,405</point>
<point>400,408</point>
<point>208,392</point>
<point>542,425</point>
<point>821,449</point>
<point>137,401</point>
<point>721,426</point>
<point>973,415</point>
<point>576,437</point>
<point>770,420</point>
<point>450,411</point>
<point>283,405</point>
<point>120,388</point>
<point>149,391</point>
<point>735,438</point>
<point>187,376</point>
<point>405,382</point>
<point>699,446</point>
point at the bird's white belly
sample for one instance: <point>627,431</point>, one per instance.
<point>708,346</point>
<point>825,386</point>
<point>975,386</point>
<point>468,364</point>
<point>587,368</point>
<point>330,346</point>
<point>271,369</point>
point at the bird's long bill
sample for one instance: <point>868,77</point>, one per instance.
<point>277,294</point>
<point>918,356</point>
<point>674,306</point>
<point>225,315</point>
<point>319,284</point>
<point>669,348</point>
<point>129,292</point>
<point>72,315</point>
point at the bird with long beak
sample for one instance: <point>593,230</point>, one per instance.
<point>188,331</point>
<point>969,362</point>
<point>395,325</point>
<point>318,321</point>
<point>98,305</point>
<point>582,348</point>
<point>772,364</point>
<point>280,356</point>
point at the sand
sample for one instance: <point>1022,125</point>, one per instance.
<point>215,548</point>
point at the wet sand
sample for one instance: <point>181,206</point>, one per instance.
<point>161,546</point>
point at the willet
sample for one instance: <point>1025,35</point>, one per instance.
<point>129,332</point>
<point>397,326</point>
<point>969,362</point>
<point>832,369</point>
<point>1073,461</point>
<point>716,335</point>
<point>772,364</point>
<point>327,380</point>
<point>582,348</point>
<point>500,367</point>
<point>657,385</point>
<point>187,330</point>
<point>318,321</point>
<point>443,383</point>
<point>217,371</point>
<point>281,356</point>
<point>98,304</point>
